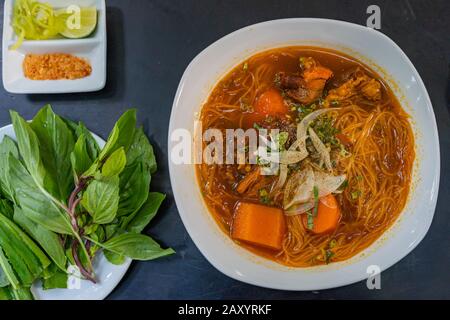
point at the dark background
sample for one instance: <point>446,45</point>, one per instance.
<point>150,43</point>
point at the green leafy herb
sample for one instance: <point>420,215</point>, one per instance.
<point>316,200</point>
<point>79,157</point>
<point>257,126</point>
<point>281,140</point>
<point>56,143</point>
<point>355,194</point>
<point>310,220</point>
<point>145,214</point>
<point>264,196</point>
<point>328,256</point>
<point>304,110</point>
<point>35,203</point>
<point>115,164</point>
<point>64,198</point>
<point>7,146</point>
<point>343,185</point>
<point>325,130</point>
<point>135,246</point>
<point>47,239</point>
<point>101,199</point>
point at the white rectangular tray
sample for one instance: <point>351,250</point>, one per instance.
<point>92,48</point>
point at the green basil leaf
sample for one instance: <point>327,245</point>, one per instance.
<point>56,142</point>
<point>16,233</point>
<point>25,257</point>
<point>58,280</point>
<point>5,293</point>
<point>134,189</point>
<point>136,246</point>
<point>47,239</point>
<point>7,270</point>
<point>146,213</point>
<point>79,157</point>
<point>21,293</point>
<point>6,208</point>
<point>92,147</point>
<point>115,163</point>
<point>110,230</point>
<point>121,136</point>
<point>35,204</point>
<point>114,258</point>
<point>29,147</point>
<point>101,199</point>
<point>141,151</point>
<point>7,146</point>
<point>3,278</point>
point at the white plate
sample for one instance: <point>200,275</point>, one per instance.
<point>92,48</point>
<point>107,274</point>
<point>367,45</point>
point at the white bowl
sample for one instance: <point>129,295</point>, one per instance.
<point>367,45</point>
<point>92,48</point>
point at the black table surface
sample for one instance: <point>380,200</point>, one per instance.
<point>151,42</point>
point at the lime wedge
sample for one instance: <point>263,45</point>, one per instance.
<point>70,26</point>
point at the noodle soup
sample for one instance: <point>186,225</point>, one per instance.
<point>346,153</point>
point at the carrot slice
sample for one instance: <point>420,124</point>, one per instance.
<point>248,180</point>
<point>270,102</point>
<point>259,225</point>
<point>328,215</point>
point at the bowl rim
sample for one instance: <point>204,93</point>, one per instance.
<point>338,282</point>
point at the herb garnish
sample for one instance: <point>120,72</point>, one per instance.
<point>264,196</point>
<point>313,213</point>
<point>73,199</point>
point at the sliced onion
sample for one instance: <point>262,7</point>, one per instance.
<point>327,183</point>
<point>282,177</point>
<point>304,188</point>
<point>291,157</point>
<point>299,209</point>
<point>321,148</point>
<point>304,183</point>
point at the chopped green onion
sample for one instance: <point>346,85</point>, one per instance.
<point>264,196</point>
<point>310,221</point>
<point>343,185</point>
<point>328,255</point>
<point>332,244</point>
<point>334,103</point>
<point>281,140</point>
<point>316,200</point>
<point>245,67</point>
<point>356,194</point>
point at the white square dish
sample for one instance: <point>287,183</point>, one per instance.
<point>92,48</point>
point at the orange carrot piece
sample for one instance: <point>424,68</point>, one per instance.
<point>328,215</point>
<point>271,102</point>
<point>248,180</point>
<point>259,225</point>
